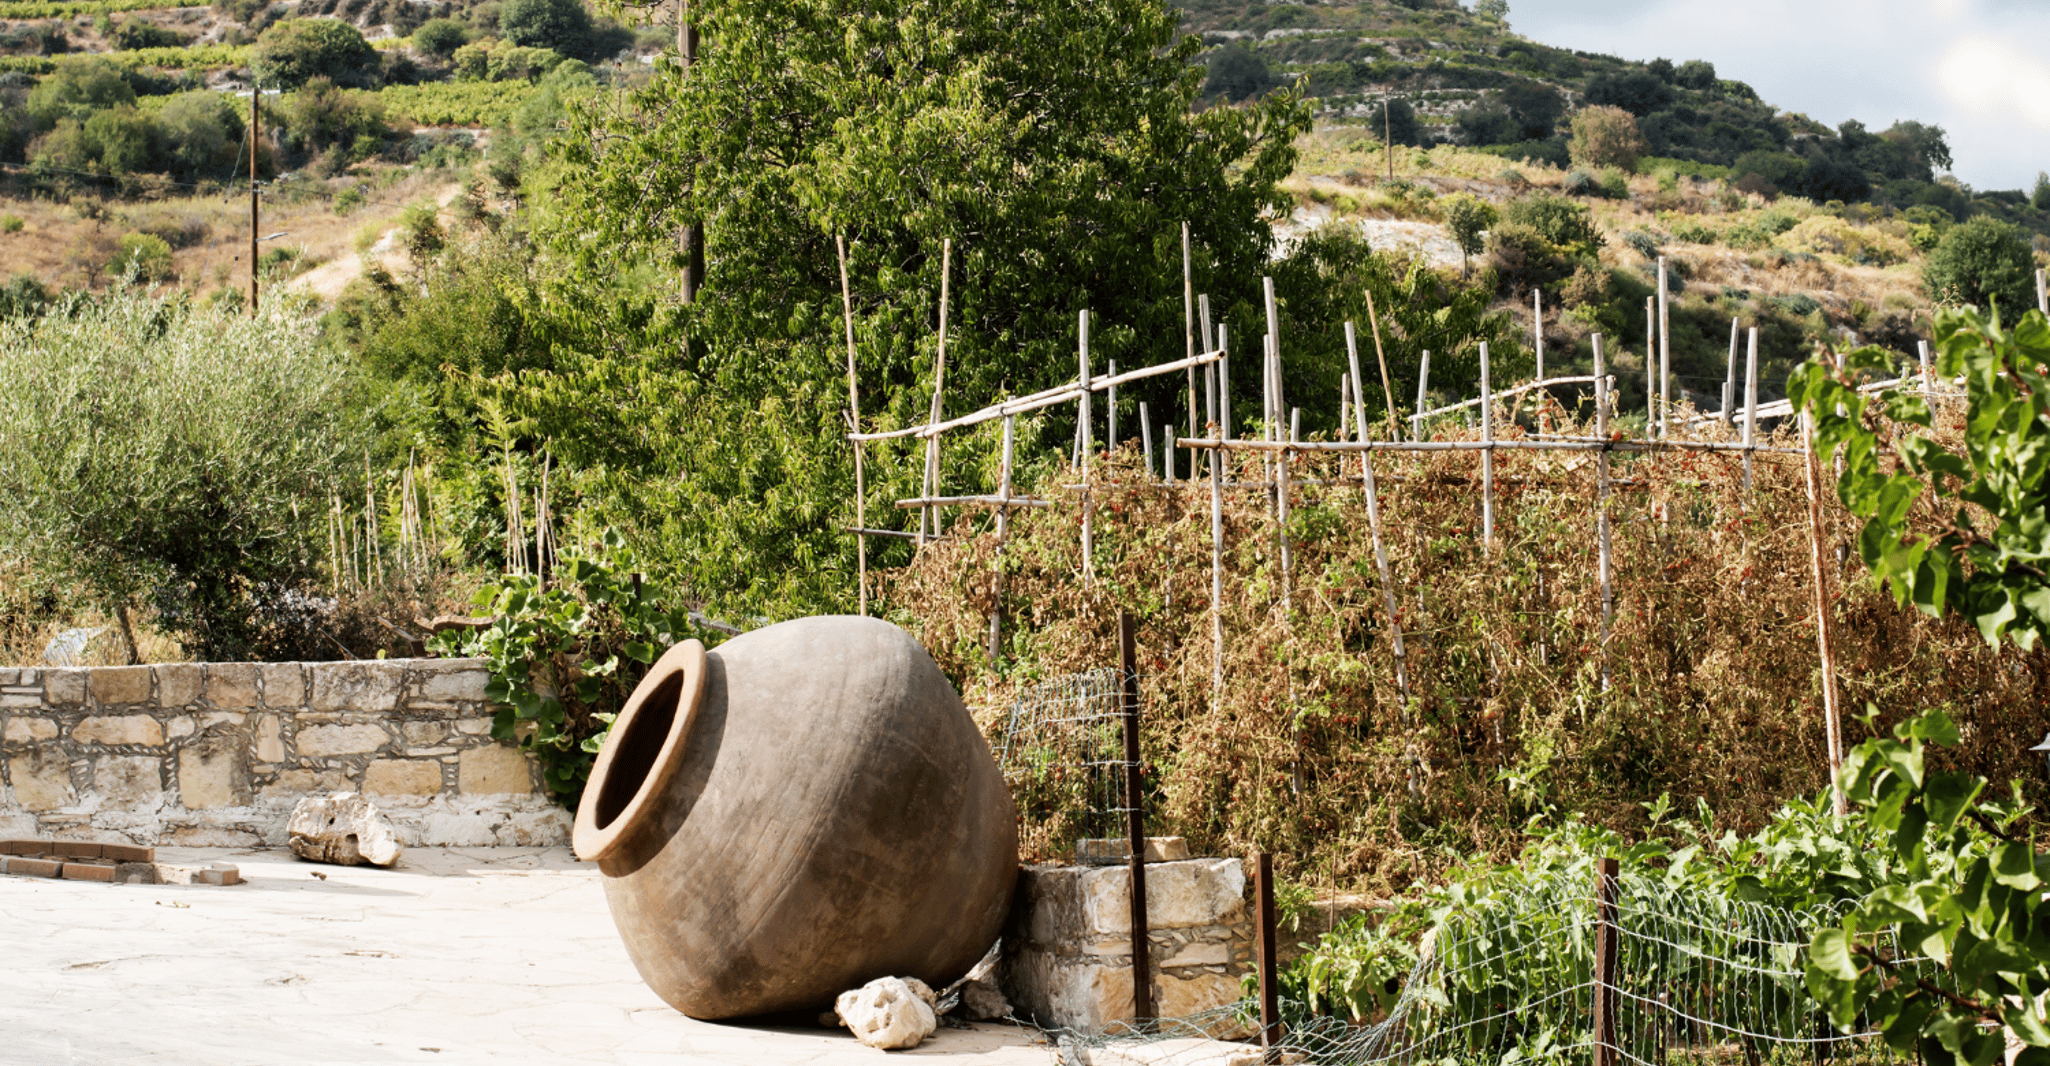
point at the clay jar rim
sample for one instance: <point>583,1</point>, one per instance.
<point>592,841</point>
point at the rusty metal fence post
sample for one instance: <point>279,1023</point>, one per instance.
<point>1606,946</point>
<point>1135,815</point>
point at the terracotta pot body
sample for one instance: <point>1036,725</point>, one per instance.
<point>799,812</point>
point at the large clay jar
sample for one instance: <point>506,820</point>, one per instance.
<point>799,812</point>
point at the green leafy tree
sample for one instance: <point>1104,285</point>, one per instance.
<point>293,52</point>
<point>157,454</point>
<point>1696,74</point>
<point>1396,120</point>
<point>1535,107</point>
<point>1238,73</point>
<point>1606,137</point>
<point>1054,144</point>
<point>1979,543</point>
<point>1980,262</point>
<point>200,131</point>
<point>560,25</point>
<point>1468,218</point>
<point>80,86</point>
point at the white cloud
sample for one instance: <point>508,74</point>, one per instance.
<point>1994,79</point>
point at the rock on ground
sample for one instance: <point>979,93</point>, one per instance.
<point>342,828</point>
<point>891,1013</point>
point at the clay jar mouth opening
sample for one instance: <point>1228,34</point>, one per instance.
<point>641,752</point>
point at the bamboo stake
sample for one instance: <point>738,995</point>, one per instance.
<point>1189,333</point>
<point>1387,389</point>
<point>1208,345</point>
<point>1359,412</point>
<point>1146,433</point>
<point>2042,293</point>
<point>1167,452</point>
<point>1750,409</point>
<point>1822,634</point>
<point>1223,386</point>
<point>1601,507</point>
<point>1730,376</point>
<point>1088,527</point>
<point>1110,414</point>
<point>930,517</point>
<point>1928,381</point>
<point>1651,392</point>
<point>1487,457</point>
<point>1217,570</point>
<point>1665,352</point>
<point>854,412</point>
<point>1423,381</point>
<point>996,614</point>
<point>1344,392</point>
<point>1537,330</point>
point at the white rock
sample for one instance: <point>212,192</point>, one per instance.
<point>891,1013</point>
<point>342,828</point>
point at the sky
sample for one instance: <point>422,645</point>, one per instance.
<point>1978,68</point>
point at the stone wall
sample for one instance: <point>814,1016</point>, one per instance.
<point>1068,947</point>
<point>216,754</point>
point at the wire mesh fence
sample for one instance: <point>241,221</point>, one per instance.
<point>1515,974</point>
<point>1062,749</point>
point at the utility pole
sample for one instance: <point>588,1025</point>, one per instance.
<point>692,241</point>
<point>254,220</point>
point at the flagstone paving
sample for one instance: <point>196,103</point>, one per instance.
<point>498,955</point>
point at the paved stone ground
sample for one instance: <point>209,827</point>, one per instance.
<point>498,955</point>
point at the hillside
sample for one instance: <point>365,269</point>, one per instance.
<point>123,141</point>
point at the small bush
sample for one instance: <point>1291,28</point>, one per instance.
<point>350,199</point>
<point>1606,137</point>
<point>145,256</point>
<point>1692,232</point>
<point>1837,239</point>
<point>1644,243</point>
<point>440,37</point>
<point>1562,222</point>
<point>11,223</point>
<point>1980,262</point>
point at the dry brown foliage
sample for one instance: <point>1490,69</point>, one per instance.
<point>1310,749</point>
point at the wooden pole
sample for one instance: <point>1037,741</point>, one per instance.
<point>1387,389</point>
<point>1537,330</point>
<point>1359,412</point>
<point>1665,354</point>
<point>1270,981</point>
<point>930,516</point>
<point>1750,409</point>
<point>1601,506</point>
<point>1088,530</point>
<point>1135,819</point>
<point>1822,627</point>
<point>1607,945</point>
<point>255,213</point>
<point>854,412</point>
<point>1487,457</point>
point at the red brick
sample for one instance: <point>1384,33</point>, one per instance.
<point>34,867</point>
<point>23,847</point>
<point>89,871</point>
<point>127,853</point>
<point>76,849</point>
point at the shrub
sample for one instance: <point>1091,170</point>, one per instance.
<point>1238,73</point>
<point>11,223</point>
<point>1644,242</point>
<point>350,199</point>
<point>136,33</point>
<point>1835,238</point>
<point>296,51</point>
<point>1560,221</point>
<point>1983,261</point>
<point>440,37</point>
<point>79,86</point>
<point>1606,137</point>
<point>145,256</point>
<point>188,468</point>
<point>200,131</point>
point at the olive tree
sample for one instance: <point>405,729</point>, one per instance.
<point>158,454</point>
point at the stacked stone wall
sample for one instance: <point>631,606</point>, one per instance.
<point>217,754</point>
